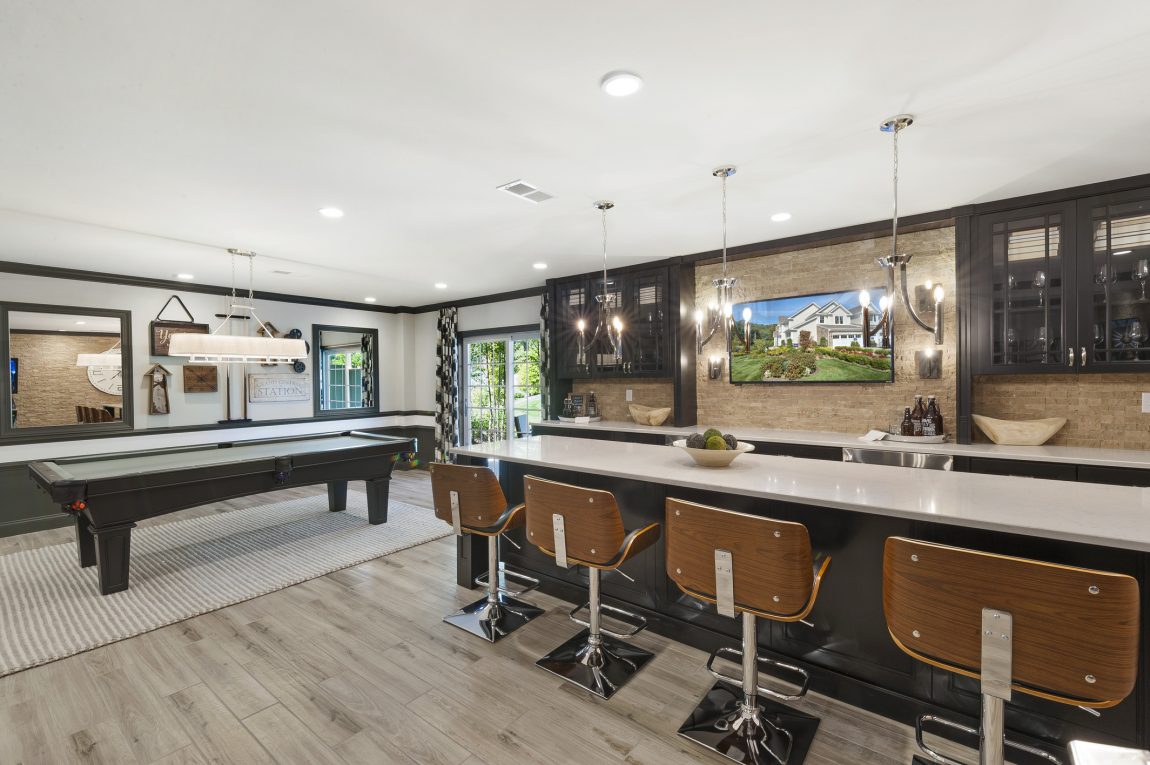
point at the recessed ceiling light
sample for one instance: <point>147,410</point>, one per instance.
<point>185,277</point>
<point>1124,252</point>
<point>369,300</point>
<point>621,84</point>
<point>780,217</point>
<point>282,273</point>
<point>331,212</point>
<point>539,266</point>
<point>81,322</point>
<point>440,286</point>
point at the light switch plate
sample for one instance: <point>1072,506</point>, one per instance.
<point>1146,403</point>
<point>1144,395</point>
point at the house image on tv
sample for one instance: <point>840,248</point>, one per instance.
<point>831,325</point>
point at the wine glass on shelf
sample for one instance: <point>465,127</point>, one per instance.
<point>1142,273</point>
<point>1136,336</point>
<point>1040,283</point>
<point>1040,341</point>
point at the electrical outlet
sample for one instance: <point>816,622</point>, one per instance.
<point>1144,398</point>
<point>1146,403</point>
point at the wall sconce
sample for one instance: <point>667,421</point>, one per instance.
<point>929,363</point>
<point>715,367</point>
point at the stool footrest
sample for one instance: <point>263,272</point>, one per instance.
<point>764,662</point>
<point>507,575</point>
<point>923,720</point>
<point>627,617</point>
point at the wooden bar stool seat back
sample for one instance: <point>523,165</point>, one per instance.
<point>750,567</point>
<point>1061,633</point>
<point>470,499</point>
<point>584,527</point>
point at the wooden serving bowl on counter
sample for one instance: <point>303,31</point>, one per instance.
<point>1019,432</point>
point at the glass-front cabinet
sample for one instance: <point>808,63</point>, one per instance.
<point>1114,323</point>
<point>1062,287</point>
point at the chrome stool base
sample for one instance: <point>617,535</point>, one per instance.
<point>492,621</point>
<point>601,670</point>
<point>776,735</point>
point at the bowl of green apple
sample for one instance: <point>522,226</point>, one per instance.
<point>712,448</point>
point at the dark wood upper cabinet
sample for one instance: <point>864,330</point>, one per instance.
<point>1058,288</point>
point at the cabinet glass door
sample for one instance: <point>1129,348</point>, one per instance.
<point>601,352</point>
<point>645,344</point>
<point>1115,323</point>
<point>572,304</point>
<point>1029,291</point>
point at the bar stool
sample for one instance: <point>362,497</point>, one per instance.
<point>1065,634</point>
<point>760,568</point>
<point>583,527</point>
<point>470,499</point>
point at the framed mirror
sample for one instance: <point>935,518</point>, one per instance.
<point>70,369</point>
<point>346,363</point>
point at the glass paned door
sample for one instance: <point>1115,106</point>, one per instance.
<point>1028,289</point>
<point>503,387</point>
<point>1116,307</point>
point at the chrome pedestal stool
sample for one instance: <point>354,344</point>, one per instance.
<point>1060,633</point>
<point>470,499</point>
<point>583,527</point>
<point>752,567</point>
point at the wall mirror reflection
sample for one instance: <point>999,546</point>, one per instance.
<point>346,376</point>
<point>67,367</point>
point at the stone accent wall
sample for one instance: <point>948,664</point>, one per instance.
<point>1101,410</point>
<point>51,385</point>
<point>853,407</point>
<point>611,395</point>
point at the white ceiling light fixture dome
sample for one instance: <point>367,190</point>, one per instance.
<point>331,212</point>
<point>440,286</point>
<point>185,277</point>
<point>539,266</point>
<point>369,300</point>
<point>780,217</point>
<point>621,84</point>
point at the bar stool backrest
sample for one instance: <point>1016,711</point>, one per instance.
<point>1075,630</point>
<point>771,560</point>
<point>593,526</point>
<point>481,500</point>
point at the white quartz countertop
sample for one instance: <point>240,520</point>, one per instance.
<point>1111,516</point>
<point>1078,455</point>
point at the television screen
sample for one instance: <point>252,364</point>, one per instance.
<point>811,339</point>
<point>14,369</point>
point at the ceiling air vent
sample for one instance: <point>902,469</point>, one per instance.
<point>525,190</point>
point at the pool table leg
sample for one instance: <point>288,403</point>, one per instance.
<point>377,492</point>
<point>113,553</point>
<point>337,496</point>
<point>85,542</point>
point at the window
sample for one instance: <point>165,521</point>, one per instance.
<point>503,387</point>
<point>343,375</point>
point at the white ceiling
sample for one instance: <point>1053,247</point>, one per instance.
<point>135,132</point>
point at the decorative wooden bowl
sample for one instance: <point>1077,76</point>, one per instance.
<point>713,457</point>
<point>1019,432</point>
<point>647,415</point>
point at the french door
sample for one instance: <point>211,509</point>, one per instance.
<point>502,395</point>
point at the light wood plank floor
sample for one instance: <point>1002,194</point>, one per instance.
<point>356,667</point>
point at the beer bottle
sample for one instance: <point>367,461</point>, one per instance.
<point>928,420</point>
<point>938,430</point>
<point>917,414</point>
<point>907,425</point>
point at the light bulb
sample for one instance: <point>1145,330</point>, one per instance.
<point>929,283</point>
<point>864,299</point>
<point>698,315</point>
<point>939,293</point>
<point>582,325</point>
<point>883,303</point>
<point>728,309</point>
<point>747,313</point>
<point>617,323</point>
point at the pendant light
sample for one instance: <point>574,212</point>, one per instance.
<point>896,260</point>
<point>719,315</point>
<point>610,324</point>
<point>218,348</point>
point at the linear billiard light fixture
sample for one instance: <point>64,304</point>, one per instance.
<point>108,358</point>
<point>219,348</point>
<point>894,125</point>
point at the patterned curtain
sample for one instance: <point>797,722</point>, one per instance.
<point>446,385</point>
<point>367,348</point>
<point>545,353</point>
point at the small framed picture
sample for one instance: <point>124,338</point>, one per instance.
<point>578,404</point>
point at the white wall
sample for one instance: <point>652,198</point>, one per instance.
<point>506,313</point>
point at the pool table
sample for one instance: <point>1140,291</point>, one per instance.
<point>109,493</point>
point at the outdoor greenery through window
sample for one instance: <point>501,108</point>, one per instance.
<point>343,373</point>
<point>503,387</point>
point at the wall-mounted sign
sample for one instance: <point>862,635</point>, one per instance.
<point>274,388</point>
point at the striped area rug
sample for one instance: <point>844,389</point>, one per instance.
<point>51,608</point>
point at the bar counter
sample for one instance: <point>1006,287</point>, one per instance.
<point>849,510</point>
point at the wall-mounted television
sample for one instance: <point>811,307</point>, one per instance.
<point>815,338</point>
<point>14,369</point>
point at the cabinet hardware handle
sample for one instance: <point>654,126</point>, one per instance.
<point>1082,356</point>
<point>1071,358</point>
